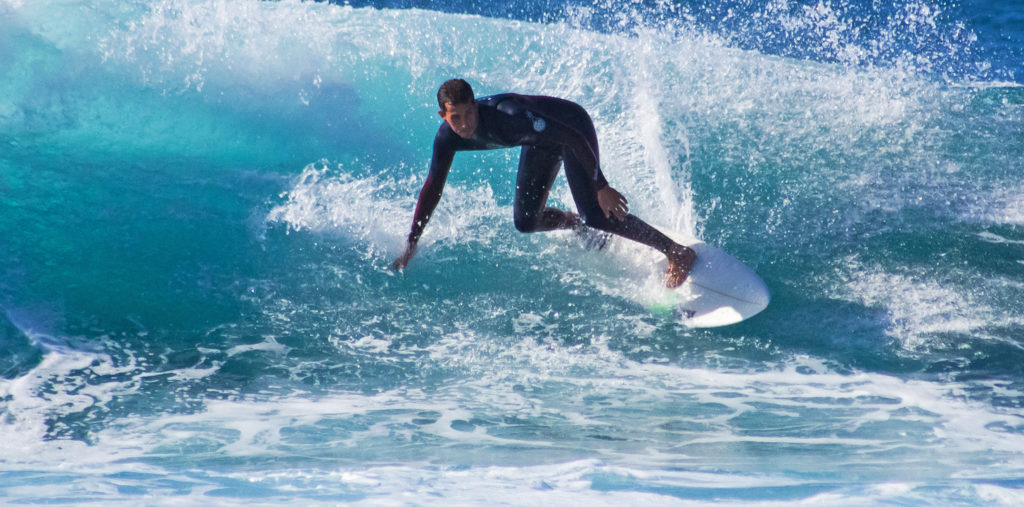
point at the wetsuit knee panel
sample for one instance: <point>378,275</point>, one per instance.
<point>594,217</point>
<point>525,222</point>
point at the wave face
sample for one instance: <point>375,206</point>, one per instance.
<point>200,201</point>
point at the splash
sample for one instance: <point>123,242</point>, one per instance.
<point>235,178</point>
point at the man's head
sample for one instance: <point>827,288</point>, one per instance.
<point>455,92</point>
<point>458,107</point>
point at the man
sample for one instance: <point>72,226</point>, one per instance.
<point>552,132</point>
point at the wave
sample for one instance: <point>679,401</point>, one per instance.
<point>734,145</point>
<point>502,426</point>
<point>20,354</point>
<point>201,199</point>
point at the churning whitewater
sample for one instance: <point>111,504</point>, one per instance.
<point>200,201</point>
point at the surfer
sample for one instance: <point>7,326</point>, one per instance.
<point>552,132</point>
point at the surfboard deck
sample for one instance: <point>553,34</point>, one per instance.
<point>720,290</point>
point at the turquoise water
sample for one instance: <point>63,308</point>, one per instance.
<point>200,201</point>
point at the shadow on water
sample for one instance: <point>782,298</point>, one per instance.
<point>19,355</point>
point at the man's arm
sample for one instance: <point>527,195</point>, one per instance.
<point>430,195</point>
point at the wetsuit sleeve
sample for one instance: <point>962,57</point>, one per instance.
<point>430,194</point>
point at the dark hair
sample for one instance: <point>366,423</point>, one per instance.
<point>454,91</point>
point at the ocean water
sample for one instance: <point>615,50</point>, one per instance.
<point>200,201</point>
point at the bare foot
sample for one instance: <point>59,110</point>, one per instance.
<point>680,261</point>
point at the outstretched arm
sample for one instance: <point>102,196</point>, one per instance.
<point>403,260</point>
<point>430,195</point>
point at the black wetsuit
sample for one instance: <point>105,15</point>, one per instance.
<point>551,131</point>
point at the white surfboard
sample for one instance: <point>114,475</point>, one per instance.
<point>720,290</point>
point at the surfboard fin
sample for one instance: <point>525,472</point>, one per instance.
<point>593,239</point>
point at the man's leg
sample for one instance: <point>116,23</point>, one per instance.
<point>680,258</point>
<point>631,227</point>
<point>537,171</point>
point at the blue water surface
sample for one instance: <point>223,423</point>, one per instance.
<point>200,201</point>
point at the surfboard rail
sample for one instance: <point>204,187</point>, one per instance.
<point>720,289</point>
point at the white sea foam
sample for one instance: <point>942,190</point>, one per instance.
<point>918,309</point>
<point>378,211</point>
<point>989,237</point>
<point>631,431</point>
<point>1004,206</point>
<point>52,388</point>
<point>643,467</point>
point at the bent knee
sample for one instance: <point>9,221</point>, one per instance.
<point>595,218</point>
<point>525,223</point>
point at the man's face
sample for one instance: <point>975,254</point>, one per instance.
<point>462,118</point>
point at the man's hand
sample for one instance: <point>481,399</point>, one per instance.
<point>402,261</point>
<point>612,203</point>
